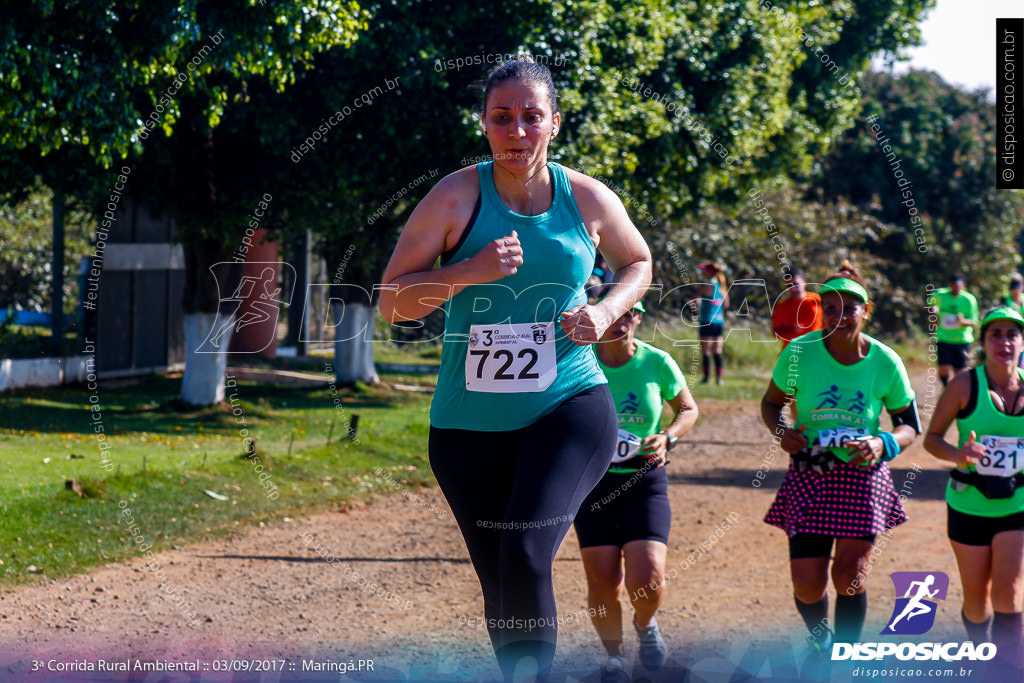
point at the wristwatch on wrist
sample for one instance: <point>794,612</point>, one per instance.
<point>672,440</point>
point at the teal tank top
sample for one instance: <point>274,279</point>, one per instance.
<point>558,256</point>
<point>711,310</point>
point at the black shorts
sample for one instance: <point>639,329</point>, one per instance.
<point>956,355</point>
<point>626,507</point>
<point>976,530</point>
<point>711,330</point>
<point>804,545</point>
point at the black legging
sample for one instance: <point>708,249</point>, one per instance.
<point>514,495</point>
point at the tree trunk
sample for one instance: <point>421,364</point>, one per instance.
<point>207,334</point>
<point>353,350</point>
<point>202,384</point>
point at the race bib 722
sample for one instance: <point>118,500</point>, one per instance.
<point>511,358</point>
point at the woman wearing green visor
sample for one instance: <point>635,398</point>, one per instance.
<point>626,518</point>
<point>985,494</point>
<point>838,488</point>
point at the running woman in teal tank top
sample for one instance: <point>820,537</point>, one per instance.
<point>713,302</point>
<point>985,494</point>
<point>522,424</point>
<point>1015,300</point>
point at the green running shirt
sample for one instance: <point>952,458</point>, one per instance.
<point>829,394</point>
<point>640,389</point>
<point>1008,301</point>
<point>948,330</point>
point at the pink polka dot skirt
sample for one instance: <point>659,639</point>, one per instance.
<point>848,500</point>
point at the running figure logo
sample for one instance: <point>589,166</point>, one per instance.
<point>629,404</point>
<point>832,398</point>
<point>255,299</point>
<point>857,404</point>
<point>914,612</point>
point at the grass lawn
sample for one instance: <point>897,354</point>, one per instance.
<point>45,526</point>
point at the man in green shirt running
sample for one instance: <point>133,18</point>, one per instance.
<point>957,312</point>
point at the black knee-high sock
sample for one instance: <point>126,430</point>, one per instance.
<point>815,616</point>
<point>707,366</point>
<point>1007,629</point>
<point>977,631</point>
<point>851,611</point>
<point>718,365</point>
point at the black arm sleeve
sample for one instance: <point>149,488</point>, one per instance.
<point>908,416</point>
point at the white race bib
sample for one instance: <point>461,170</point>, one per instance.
<point>626,446</point>
<point>511,358</point>
<point>1004,456</point>
<point>838,436</point>
<point>950,322</point>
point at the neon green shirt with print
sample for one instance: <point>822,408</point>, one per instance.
<point>639,389</point>
<point>984,421</point>
<point>949,330</point>
<point>830,395</point>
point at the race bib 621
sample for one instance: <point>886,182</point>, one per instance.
<point>1004,456</point>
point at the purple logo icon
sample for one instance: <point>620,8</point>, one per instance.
<point>917,598</point>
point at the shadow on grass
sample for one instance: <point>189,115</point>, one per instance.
<point>147,406</point>
<point>282,558</point>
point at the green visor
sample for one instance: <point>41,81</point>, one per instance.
<point>1002,313</point>
<point>844,284</point>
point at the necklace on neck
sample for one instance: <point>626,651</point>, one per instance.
<point>526,190</point>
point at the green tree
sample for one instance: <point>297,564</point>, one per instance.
<point>775,229</point>
<point>742,76</point>
<point>737,68</point>
<point>25,264</point>
<point>934,181</point>
<point>109,80</point>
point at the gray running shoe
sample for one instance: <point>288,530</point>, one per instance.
<point>614,671</point>
<point>652,647</point>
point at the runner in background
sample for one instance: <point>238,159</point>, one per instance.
<point>985,493</point>
<point>838,489</point>
<point>713,302</point>
<point>957,310</point>
<point>522,425</point>
<point>601,269</point>
<point>1015,300</point>
<point>626,518</point>
<point>594,289</point>
<point>797,314</point>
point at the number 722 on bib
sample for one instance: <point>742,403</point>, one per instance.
<point>511,358</point>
